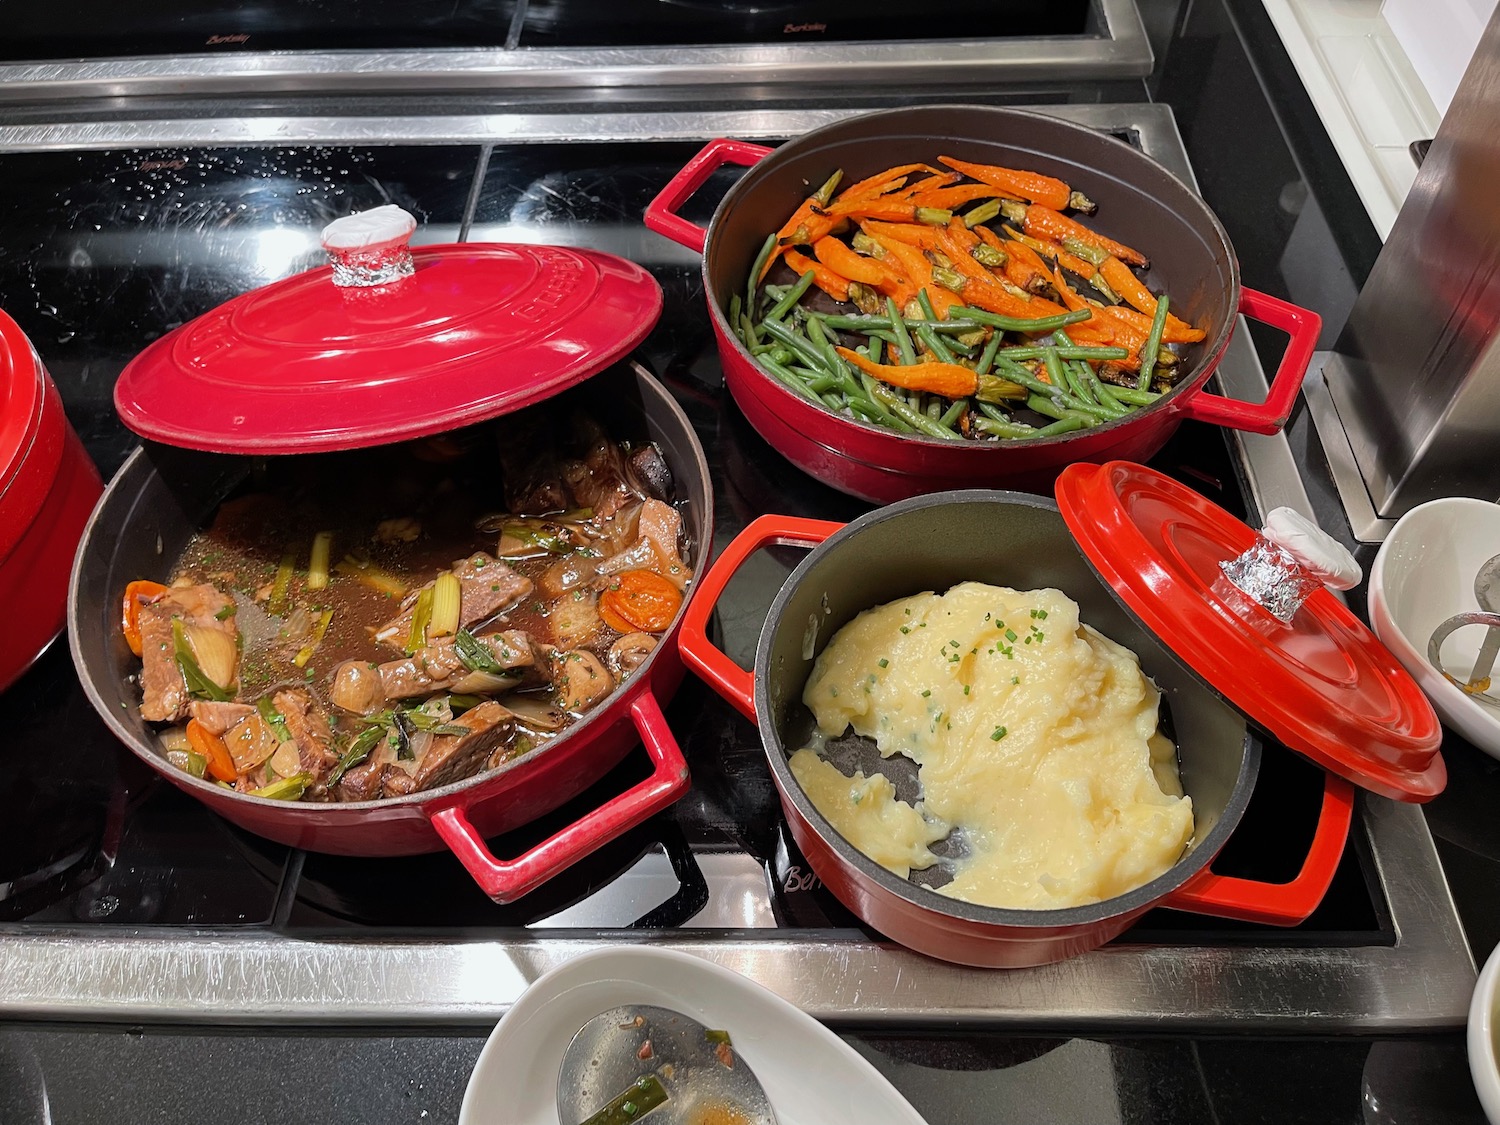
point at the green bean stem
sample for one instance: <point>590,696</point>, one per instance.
<point>898,326</point>
<point>760,264</point>
<point>790,297</point>
<point>1021,324</point>
<point>1152,344</point>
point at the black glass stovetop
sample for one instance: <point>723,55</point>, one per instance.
<point>105,251</point>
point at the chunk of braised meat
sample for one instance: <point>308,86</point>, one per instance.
<point>453,757</point>
<point>650,468</point>
<point>164,694</point>
<point>362,688</point>
<point>487,587</point>
<point>363,782</point>
<point>308,723</point>
<point>218,718</point>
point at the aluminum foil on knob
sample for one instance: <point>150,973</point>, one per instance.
<point>1290,560</point>
<point>370,248</point>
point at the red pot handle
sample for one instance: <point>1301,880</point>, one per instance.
<point>661,212</point>
<point>700,654</point>
<point>1303,325</point>
<point>1278,904</point>
<point>507,880</point>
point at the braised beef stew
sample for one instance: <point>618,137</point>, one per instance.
<point>370,624</point>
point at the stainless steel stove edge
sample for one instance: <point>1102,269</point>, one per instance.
<point>1422,982</point>
<point>1119,49</point>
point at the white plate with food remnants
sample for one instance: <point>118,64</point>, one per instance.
<point>810,1075</point>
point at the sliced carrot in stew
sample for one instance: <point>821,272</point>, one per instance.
<point>639,601</point>
<point>136,595</point>
<point>211,746</point>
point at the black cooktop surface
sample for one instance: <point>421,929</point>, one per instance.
<point>108,250</point>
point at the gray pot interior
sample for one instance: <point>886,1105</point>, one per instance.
<point>164,495</point>
<point>1006,539</point>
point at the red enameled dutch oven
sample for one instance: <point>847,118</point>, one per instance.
<point>1132,548</point>
<point>1140,204</point>
<point>48,486</point>
<point>298,367</point>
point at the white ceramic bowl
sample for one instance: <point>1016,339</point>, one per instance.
<point>810,1075</point>
<point>1482,1063</point>
<point>1423,575</point>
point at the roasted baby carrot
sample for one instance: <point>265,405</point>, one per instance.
<point>882,182</point>
<point>1124,282</point>
<point>951,380</point>
<point>847,264</point>
<point>1044,222</point>
<point>823,277</point>
<point>1034,187</point>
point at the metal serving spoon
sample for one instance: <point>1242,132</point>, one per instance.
<point>654,1064</point>
<point>1487,594</point>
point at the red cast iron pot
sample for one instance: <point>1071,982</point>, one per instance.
<point>1140,204</point>
<point>163,495</point>
<point>48,486</point>
<point>1012,539</point>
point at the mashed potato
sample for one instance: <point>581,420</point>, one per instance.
<point>1036,737</point>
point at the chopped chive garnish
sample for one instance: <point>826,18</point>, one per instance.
<point>998,734</point>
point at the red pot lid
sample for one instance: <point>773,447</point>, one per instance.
<point>303,365</point>
<point>1322,684</point>
<point>25,469</point>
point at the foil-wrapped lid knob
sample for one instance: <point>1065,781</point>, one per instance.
<point>1317,552</point>
<point>370,247</point>
<point>1292,557</point>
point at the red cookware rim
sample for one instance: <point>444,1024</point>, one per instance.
<point>1212,350</point>
<point>1324,685</point>
<point>304,366</point>
<point>1189,864</point>
<point>610,709</point>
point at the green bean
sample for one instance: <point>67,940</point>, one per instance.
<point>1021,324</point>
<point>796,343</point>
<point>898,326</point>
<point>935,346</point>
<point>954,412</point>
<point>1133,395</point>
<point>1057,375</point>
<point>790,297</point>
<point>1035,351</point>
<point>1051,409</point>
<point>1152,344</point>
<point>1065,400</point>
<point>1005,429</point>
<point>760,264</point>
<point>1063,426</point>
<point>914,418</point>
<point>1101,394</point>
<point>987,357</point>
<point>786,377</point>
<point>865,323</point>
<point>735,307</point>
<point>872,385</point>
<point>993,412</point>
